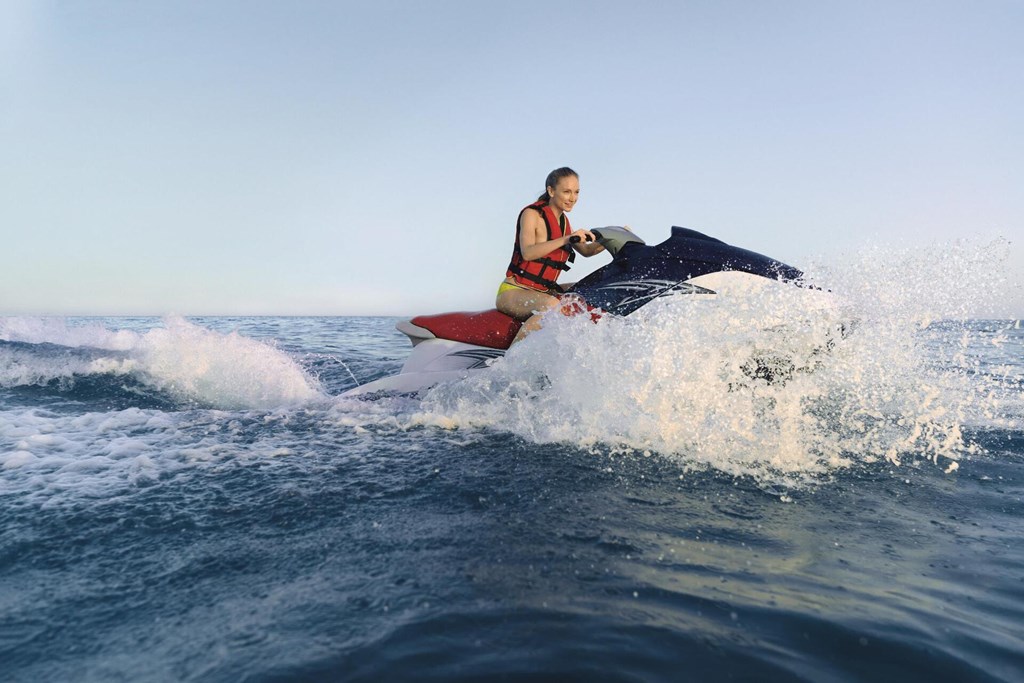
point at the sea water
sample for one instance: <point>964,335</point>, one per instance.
<point>192,499</point>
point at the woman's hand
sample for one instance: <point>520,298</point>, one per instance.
<point>581,235</point>
<point>585,242</point>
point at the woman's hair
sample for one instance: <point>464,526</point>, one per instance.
<point>553,179</point>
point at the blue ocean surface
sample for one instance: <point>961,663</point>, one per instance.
<point>193,500</point>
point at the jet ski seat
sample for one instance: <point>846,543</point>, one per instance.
<point>490,328</point>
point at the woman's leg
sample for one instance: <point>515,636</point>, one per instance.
<point>527,305</point>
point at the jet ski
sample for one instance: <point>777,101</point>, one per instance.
<point>450,346</point>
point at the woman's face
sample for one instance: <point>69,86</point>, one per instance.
<point>564,195</point>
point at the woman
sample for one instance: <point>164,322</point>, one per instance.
<point>542,251</point>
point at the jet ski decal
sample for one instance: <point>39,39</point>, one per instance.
<point>636,293</point>
<point>482,357</point>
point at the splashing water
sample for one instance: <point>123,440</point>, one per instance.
<point>782,381</point>
<point>229,371</point>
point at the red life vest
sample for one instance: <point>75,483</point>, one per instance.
<point>542,273</point>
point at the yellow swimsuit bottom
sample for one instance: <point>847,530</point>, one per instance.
<point>509,284</point>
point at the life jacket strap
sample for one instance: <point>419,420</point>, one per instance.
<point>526,275</point>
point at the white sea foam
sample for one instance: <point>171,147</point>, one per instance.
<point>244,388</point>
<point>192,364</point>
<point>680,377</point>
<point>56,458</point>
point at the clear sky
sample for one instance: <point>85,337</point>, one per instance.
<point>223,157</point>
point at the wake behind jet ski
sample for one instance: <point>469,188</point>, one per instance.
<point>449,346</point>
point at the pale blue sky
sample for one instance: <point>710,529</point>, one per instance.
<point>370,157</point>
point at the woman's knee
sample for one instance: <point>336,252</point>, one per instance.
<point>546,303</point>
<point>523,305</point>
<point>540,303</point>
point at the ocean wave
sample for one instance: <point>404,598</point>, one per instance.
<point>189,364</point>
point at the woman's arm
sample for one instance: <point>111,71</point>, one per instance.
<point>587,248</point>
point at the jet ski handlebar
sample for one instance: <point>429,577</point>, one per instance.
<point>612,238</point>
